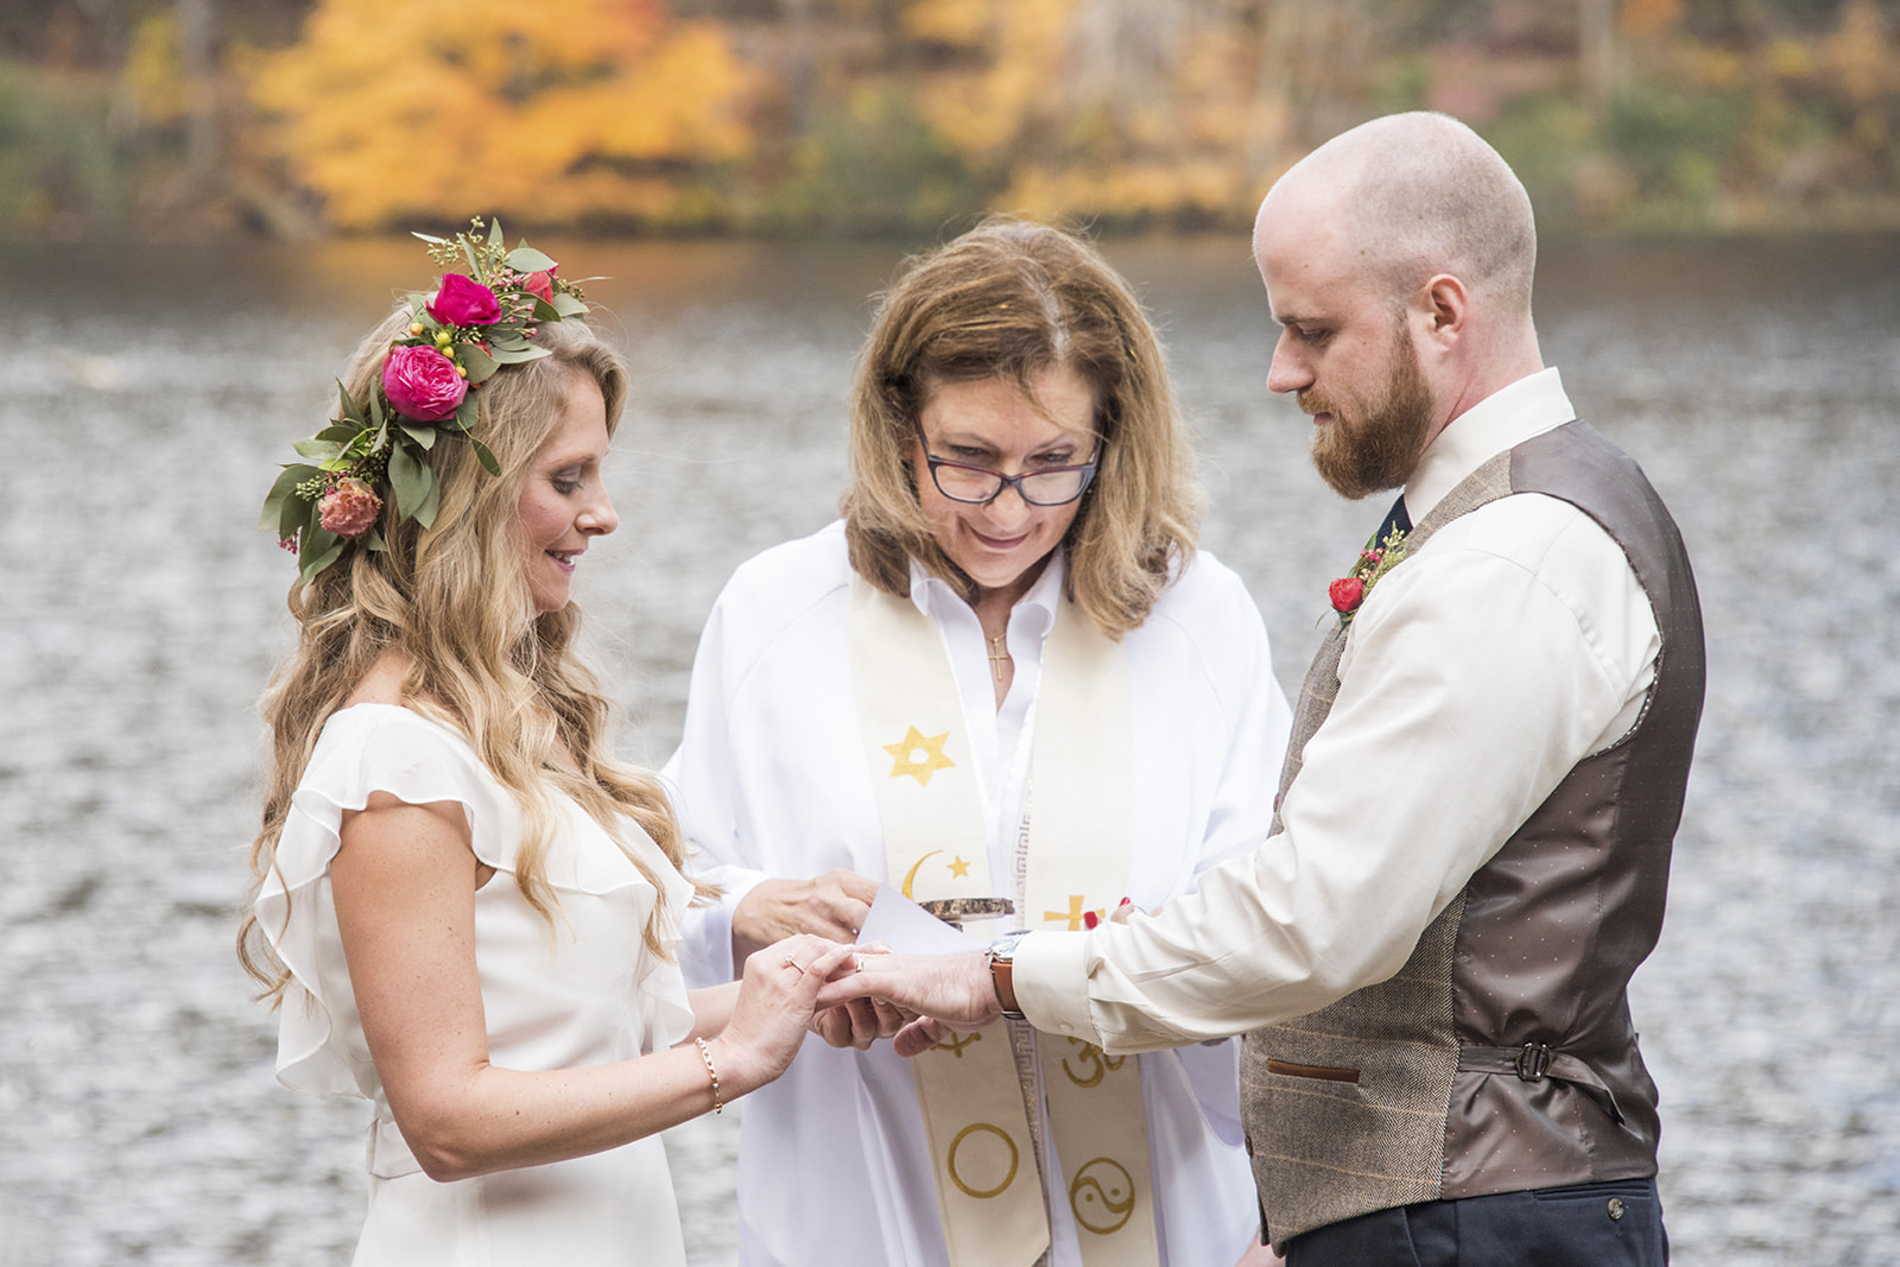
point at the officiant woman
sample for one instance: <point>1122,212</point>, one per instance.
<point>1006,674</point>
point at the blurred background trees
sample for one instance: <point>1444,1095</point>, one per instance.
<point>196,118</point>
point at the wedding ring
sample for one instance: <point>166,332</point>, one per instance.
<point>857,963</point>
<point>790,962</point>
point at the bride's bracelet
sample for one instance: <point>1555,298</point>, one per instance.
<point>705,1053</point>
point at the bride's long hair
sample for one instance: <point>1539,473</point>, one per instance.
<point>453,600</point>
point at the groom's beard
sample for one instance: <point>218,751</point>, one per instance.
<point>1361,453</point>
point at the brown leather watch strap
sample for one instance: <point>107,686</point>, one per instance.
<point>1000,977</point>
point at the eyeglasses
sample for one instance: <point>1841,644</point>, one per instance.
<point>978,485</point>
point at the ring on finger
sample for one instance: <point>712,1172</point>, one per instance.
<point>790,962</point>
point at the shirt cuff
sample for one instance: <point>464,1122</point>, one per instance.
<point>1051,977</point>
<point>706,935</point>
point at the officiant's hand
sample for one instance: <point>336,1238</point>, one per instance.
<point>945,992</point>
<point>833,906</point>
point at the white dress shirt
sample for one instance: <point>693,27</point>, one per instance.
<point>771,779</point>
<point>1477,673</point>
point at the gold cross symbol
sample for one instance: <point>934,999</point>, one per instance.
<point>1073,914</point>
<point>956,1043</point>
<point>999,655</point>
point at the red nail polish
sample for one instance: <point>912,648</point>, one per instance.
<point>1090,919</point>
<point>1123,902</point>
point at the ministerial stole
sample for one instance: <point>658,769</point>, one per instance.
<point>1075,860</point>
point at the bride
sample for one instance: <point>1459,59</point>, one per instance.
<point>465,908</point>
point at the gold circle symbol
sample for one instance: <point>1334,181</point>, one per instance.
<point>1102,1196</point>
<point>982,1194</point>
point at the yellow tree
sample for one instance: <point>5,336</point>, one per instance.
<point>1120,108</point>
<point>537,112</point>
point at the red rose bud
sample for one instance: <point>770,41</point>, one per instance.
<point>1372,556</point>
<point>464,302</point>
<point>422,384</point>
<point>540,284</point>
<point>1346,593</point>
<point>349,509</point>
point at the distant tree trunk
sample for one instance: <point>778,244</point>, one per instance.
<point>1596,50</point>
<point>195,21</point>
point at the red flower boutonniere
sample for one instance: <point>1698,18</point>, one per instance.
<point>1349,592</point>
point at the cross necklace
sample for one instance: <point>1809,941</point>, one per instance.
<point>999,655</point>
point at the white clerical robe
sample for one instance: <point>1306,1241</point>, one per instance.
<point>771,780</point>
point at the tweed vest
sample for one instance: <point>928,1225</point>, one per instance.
<point>1502,1056</point>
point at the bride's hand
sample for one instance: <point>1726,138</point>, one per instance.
<point>777,997</point>
<point>858,1023</point>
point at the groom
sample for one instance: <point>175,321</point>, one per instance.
<point>1432,948</point>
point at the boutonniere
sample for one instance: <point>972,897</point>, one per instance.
<point>1378,558</point>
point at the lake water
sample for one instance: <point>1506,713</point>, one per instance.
<point>145,395</point>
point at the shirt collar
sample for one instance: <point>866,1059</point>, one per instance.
<point>929,591</point>
<point>1506,418</point>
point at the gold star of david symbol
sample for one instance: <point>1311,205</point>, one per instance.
<point>918,756</point>
<point>958,867</point>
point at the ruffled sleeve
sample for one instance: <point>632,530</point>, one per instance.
<point>364,749</point>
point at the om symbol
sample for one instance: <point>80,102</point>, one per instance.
<point>1091,1055</point>
<point>1102,1196</point>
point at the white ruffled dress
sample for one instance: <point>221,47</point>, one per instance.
<point>586,993</point>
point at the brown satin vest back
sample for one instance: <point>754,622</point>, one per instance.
<point>1502,1055</point>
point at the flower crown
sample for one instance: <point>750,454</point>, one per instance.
<point>473,324</point>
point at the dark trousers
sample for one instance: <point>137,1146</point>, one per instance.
<point>1615,1224</point>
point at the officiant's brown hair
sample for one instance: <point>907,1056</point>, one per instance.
<point>1011,299</point>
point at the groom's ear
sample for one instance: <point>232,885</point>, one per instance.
<point>1446,305</point>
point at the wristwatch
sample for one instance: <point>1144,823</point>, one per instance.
<point>1001,955</point>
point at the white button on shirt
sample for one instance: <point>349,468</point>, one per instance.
<point>1516,642</point>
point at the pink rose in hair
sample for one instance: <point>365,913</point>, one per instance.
<point>349,509</point>
<point>540,284</point>
<point>422,384</point>
<point>463,301</point>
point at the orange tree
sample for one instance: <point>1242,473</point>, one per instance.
<point>597,111</point>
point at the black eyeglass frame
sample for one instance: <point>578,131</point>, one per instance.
<point>1087,468</point>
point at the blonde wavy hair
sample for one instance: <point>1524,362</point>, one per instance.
<point>453,600</point>
<point>1010,299</point>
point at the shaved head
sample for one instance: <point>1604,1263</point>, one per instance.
<point>1417,195</point>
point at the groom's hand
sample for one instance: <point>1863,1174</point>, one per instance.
<point>952,991</point>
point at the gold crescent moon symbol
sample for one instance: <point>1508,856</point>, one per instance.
<point>912,877</point>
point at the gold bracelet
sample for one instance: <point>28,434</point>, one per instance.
<point>705,1053</point>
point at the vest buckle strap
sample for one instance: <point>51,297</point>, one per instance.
<point>1533,1061</point>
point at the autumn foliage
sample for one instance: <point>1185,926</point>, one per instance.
<point>587,109</point>
<point>907,116</point>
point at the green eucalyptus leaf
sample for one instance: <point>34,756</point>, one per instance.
<point>494,233</point>
<point>348,409</point>
<point>342,432</point>
<point>428,237</point>
<point>467,412</point>
<point>488,461</point>
<point>410,478</point>
<point>375,409</point>
<point>474,268</point>
<point>373,540</point>
<point>567,305</point>
<point>479,364</point>
<point>317,550</point>
<point>425,513</point>
<point>318,450</point>
<point>525,259</point>
<point>515,356</point>
<point>295,515</point>
<point>286,483</point>
<point>424,436</point>
<point>545,311</point>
